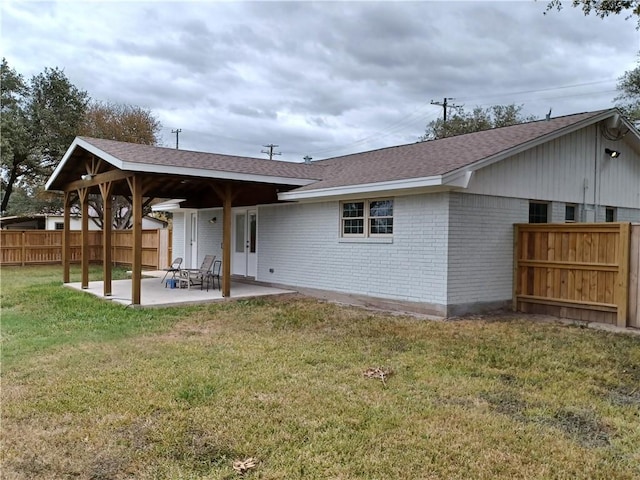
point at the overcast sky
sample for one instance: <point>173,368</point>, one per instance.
<point>320,78</point>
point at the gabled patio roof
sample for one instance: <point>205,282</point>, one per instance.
<point>171,173</point>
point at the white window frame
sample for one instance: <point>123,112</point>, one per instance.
<point>366,219</point>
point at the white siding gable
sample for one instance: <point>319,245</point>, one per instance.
<point>572,169</point>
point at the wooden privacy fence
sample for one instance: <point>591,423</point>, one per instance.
<point>37,247</point>
<point>584,271</point>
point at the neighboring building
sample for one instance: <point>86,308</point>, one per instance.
<point>56,222</point>
<point>428,222</point>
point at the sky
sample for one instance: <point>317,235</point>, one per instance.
<point>321,79</point>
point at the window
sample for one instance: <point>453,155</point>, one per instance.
<point>59,226</point>
<point>610,214</point>
<point>570,213</point>
<point>367,218</point>
<point>538,212</point>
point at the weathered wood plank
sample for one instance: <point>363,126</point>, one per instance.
<point>578,266</point>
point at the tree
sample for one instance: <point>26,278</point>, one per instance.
<point>124,123</point>
<point>16,155</point>
<point>475,121</point>
<point>39,121</point>
<point>602,8</point>
<point>629,99</point>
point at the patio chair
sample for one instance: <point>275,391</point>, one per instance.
<point>196,276</point>
<point>215,273</point>
<point>173,269</point>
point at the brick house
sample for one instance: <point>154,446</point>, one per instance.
<point>430,222</point>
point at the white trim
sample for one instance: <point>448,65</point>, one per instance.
<point>458,179</point>
<point>376,239</point>
<point>365,188</point>
<point>169,205</point>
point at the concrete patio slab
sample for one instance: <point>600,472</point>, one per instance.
<point>154,293</point>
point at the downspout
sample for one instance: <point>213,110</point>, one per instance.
<point>585,186</point>
<point>596,185</point>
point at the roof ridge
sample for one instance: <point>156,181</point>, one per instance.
<point>185,151</point>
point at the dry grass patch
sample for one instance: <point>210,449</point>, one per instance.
<point>281,381</point>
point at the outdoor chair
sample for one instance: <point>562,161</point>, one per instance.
<point>173,269</point>
<point>215,274</point>
<point>196,276</point>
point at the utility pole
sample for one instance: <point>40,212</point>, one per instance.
<point>177,132</point>
<point>445,105</point>
<point>270,152</point>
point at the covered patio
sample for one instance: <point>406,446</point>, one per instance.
<point>154,292</point>
<point>145,174</point>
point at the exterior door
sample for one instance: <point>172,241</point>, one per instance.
<point>193,240</point>
<point>244,258</point>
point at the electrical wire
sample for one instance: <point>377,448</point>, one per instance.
<point>418,114</point>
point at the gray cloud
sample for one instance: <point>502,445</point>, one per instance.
<point>323,78</point>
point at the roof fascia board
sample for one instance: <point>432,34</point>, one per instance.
<point>391,186</point>
<point>381,194</point>
<point>78,142</point>
<point>459,178</point>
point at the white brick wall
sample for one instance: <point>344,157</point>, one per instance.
<point>178,235</point>
<point>627,215</point>
<point>481,247</point>
<point>209,235</point>
<point>301,243</point>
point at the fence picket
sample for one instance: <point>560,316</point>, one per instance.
<point>44,247</point>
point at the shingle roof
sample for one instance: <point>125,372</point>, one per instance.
<point>422,160</point>
<point>170,157</point>
<point>437,157</point>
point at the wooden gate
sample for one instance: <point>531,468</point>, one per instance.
<point>579,271</point>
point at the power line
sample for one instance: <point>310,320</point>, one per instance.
<point>540,90</point>
<point>445,106</point>
<point>270,152</point>
<point>177,132</point>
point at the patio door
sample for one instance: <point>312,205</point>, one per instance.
<point>244,259</point>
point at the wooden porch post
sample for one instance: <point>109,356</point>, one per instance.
<point>105,190</point>
<point>135,184</point>
<point>83,193</point>
<point>226,241</point>
<point>66,238</point>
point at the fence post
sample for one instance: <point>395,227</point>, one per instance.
<point>23,253</point>
<point>622,282</point>
<point>516,257</point>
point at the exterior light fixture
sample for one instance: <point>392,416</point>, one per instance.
<point>612,153</point>
<point>213,220</point>
<point>86,176</point>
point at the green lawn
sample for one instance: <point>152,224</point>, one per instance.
<point>97,391</point>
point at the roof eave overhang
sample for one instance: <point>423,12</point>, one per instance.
<point>169,205</point>
<point>404,186</point>
<point>170,169</point>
